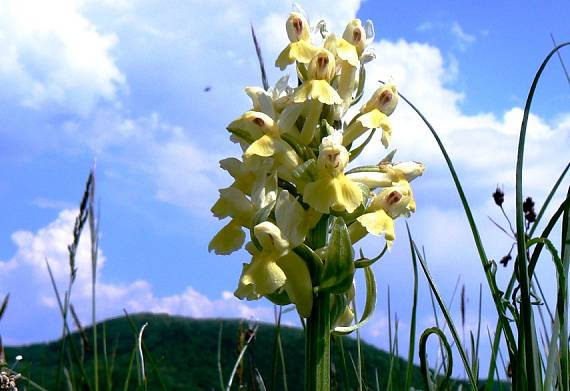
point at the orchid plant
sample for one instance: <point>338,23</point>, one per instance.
<point>293,194</point>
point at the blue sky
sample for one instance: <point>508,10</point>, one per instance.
<point>122,83</point>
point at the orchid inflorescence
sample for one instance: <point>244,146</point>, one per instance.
<point>292,180</point>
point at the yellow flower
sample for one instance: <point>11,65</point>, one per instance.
<point>384,99</point>
<point>273,101</point>
<point>275,267</point>
<point>374,114</point>
<point>232,203</point>
<point>391,203</point>
<point>268,142</point>
<point>354,34</point>
<point>333,190</point>
<point>387,173</point>
<point>299,49</point>
<point>316,91</point>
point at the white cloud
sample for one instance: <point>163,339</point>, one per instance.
<point>52,56</point>
<point>35,294</point>
<point>463,39</point>
<point>482,146</point>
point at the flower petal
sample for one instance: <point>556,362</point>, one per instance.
<point>262,101</point>
<point>271,239</point>
<point>290,217</point>
<point>298,284</point>
<point>264,274</point>
<point>229,239</point>
<point>338,193</point>
<point>347,52</point>
<point>264,146</point>
<point>317,89</point>
<point>379,223</point>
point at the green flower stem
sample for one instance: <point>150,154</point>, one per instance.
<point>317,345</point>
<point>318,330</point>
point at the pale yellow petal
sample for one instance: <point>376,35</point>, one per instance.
<point>265,275</point>
<point>302,51</point>
<point>285,154</point>
<point>290,217</point>
<point>235,204</point>
<point>319,195</point>
<point>386,137</point>
<point>289,116</point>
<point>229,239</point>
<point>317,89</point>
<point>284,58</point>
<point>347,52</point>
<point>246,289</point>
<point>338,193</point>
<point>264,146</point>
<point>298,284</point>
<point>379,223</point>
<point>349,195</point>
<point>375,119</point>
<point>261,100</point>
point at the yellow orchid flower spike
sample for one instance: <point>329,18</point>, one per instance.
<point>317,91</point>
<point>299,48</point>
<point>374,114</point>
<point>333,190</point>
<point>391,203</point>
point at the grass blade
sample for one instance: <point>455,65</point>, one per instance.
<point>495,293</point>
<point>260,59</point>
<point>220,373</point>
<point>240,357</point>
<point>410,367</point>
<point>527,333</point>
<point>448,319</point>
<point>563,308</point>
<point>423,358</point>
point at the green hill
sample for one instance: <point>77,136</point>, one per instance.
<point>183,356</point>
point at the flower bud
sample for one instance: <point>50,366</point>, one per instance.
<point>409,170</point>
<point>322,66</point>
<point>354,33</point>
<point>384,99</point>
<point>297,27</point>
<point>333,156</point>
<point>499,196</point>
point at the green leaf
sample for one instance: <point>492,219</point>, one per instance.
<point>338,272</point>
<point>358,150</point>
<point>369,306</point>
